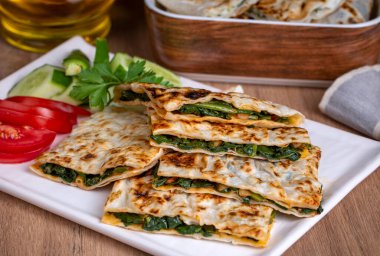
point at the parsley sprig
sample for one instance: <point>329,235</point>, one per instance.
<point>93,84</point>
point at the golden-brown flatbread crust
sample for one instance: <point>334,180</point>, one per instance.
<point>225,132</point>
<point>108,139</point>
<point>166,102</point>
<point>232,219</point>
<point>290,184</point>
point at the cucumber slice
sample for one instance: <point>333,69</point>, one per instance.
<point>65,96</point>
<point>120,59</point>
<point>44,82</point>
<point>75,63</point>
<point>161,71</point>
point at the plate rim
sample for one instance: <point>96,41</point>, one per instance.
<point>55,207</point>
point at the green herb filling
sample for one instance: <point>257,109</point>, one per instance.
<point>128,95</point>
<point>250,150</point>
<point>224,110</point>
<point>152,223</point>
<point>69,175</point>
<point>186,183</point>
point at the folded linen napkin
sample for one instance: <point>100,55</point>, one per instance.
<point>354,100</point>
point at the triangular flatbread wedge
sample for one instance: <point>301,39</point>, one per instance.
<point>222,138</point>
<point>133,204</point>
<point>110,145</point>
<point>289,187</point>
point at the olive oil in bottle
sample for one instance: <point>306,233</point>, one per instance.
<point>39,25</point>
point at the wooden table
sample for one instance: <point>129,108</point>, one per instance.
<point>351,228</point>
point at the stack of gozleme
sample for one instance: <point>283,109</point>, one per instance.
<point>229,151</point>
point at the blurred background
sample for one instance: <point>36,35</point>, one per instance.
<point>39,25</point>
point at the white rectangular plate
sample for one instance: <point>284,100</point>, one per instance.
<point>346,160</point>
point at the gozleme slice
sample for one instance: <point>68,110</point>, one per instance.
<point>133,204</point>
<point>191,104</point>
<point>289,187</point>
<point>223,138</point>
<point>110,145</point>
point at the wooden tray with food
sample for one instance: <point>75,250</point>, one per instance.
<point>265,42</point>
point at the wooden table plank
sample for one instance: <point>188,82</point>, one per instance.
<point>351,228</point>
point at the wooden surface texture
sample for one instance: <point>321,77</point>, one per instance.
<point>261,50</point>
<point>351,228</point>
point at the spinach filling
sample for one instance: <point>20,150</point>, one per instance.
<point>258,198</point>
<point>189,183</point>
<point>159,181</point>
<point>224,110</point>
<point>182,182</point>
<point>152,223</point>
<point>250,150</point>
<point>307,210</point>
<point>69,175</point>
<point>128,95</point>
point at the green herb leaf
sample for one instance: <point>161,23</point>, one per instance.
<point>90,76</point>
<point>102,52</point>
<point>135,69</point>
<point>120,73</point>
<point>104,70</point>
<point>99,97</point>
<point>94,83</point>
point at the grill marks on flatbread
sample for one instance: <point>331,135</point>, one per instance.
<point>290,187</point>
<point>233,108</point>
<point>113,138</point>
<point>168,103</point>
<point>226,133</point>
<point>233,221</point>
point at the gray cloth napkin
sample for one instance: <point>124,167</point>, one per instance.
<point>354,100</point>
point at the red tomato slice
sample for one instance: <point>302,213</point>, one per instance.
<point>39,111</point>
<point>9,158</point>
<point>52,104</point>
<point>19,118</point>
<point>21,139</point>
